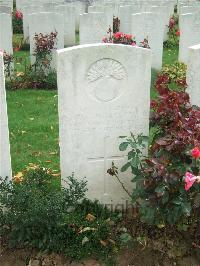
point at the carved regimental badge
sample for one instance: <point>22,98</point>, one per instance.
<point>106,77</point>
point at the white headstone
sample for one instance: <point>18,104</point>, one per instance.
<point>189,34</point>
<point>193,74</point>
<point>8,3</point>
<point>103,9</point>
<point>125,16</point>
<point>80,8</point>
<point>6,33</point>
<point>69,23</point>
<point>27,10</point>
<point>189,9</point>
<point>148,25</point>
<point>5,9</point>
<point>46,23</point>
<point>101,97</point>
<point>93,27</point>
<point>5,161</point>
<point>165,16</point>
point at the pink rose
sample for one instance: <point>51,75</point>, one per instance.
<point>190,179</point>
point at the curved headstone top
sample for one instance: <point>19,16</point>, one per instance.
<point>104,93</point>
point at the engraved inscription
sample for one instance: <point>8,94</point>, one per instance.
<point>104,77</point>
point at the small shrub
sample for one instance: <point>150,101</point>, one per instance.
<point>126,39</point>
<point>8,64</point>
<point>161,179</point>
<point>17,20</point>
<point>173,33</point>
<point>44,46</point>
<point>176,73</point>
<point>116,24</point>
<point>35,213</point>
<point>39,75</point>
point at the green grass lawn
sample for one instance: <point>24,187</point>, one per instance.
<point>33,121</point>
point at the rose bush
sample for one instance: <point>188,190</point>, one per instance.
<point>17,20</point>
<point>167,181</point>
<point>126,39</point>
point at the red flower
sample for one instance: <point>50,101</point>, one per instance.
<point>171,23</point>
<point>195,153</point>
<point>118,35</point>
<point>178,33</point>
<point>129,36</point>
<point>18,14</point>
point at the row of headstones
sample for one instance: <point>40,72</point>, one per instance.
<point>101,97</point>
<point>93,26</point>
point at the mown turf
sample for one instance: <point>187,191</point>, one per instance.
<point>33,121</point>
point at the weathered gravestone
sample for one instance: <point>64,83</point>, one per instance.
<point>125,16</point>
<point>27,10</point>
<point>93,27</point>
<point>45,23</point>
<point>101,97</point>
<point>149,25</point>
<point>8,3</point>
<point>68,13</point>
<point>6,33</point>
<point>5,9</point>
<point>5,161</point>
<point>193,74</point>
<point>189,9</point>
<point>190,34</point>
<point>108,10</point>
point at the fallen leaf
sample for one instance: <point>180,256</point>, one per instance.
<point>84,240</point>
<point>90,217</point>
<point>103,243</point>
<point>87,229</point>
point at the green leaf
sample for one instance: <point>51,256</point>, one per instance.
<point>125,238</point>
<point>165,197</point>
<point>123,146</point>
<point>177,201</point>
<point>125,167</point>
<point>160,189</point>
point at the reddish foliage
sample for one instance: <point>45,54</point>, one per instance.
<point>178,120</point>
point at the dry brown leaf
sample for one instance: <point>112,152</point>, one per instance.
<point>90,217</point>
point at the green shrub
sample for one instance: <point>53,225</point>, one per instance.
<point>176,72</point>
<point>173,33</point>
<point>31,79</point>
<point>40,74</point>
<point>35,213</point>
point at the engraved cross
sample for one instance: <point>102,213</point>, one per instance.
<point>105,159</point>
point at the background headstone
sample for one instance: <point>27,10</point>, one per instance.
<point>93,27</point>
<point>6,33</point>
<point>193,74</point>
<point>5,161</point>
<point>45,23</point>
<point>190,34</point>
<point>149,25</point>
